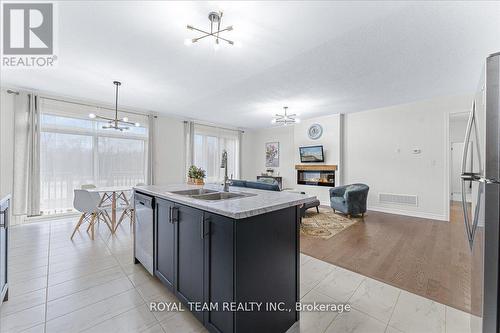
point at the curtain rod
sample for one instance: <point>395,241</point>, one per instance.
<point>213,126</point>
<point>95,106</point>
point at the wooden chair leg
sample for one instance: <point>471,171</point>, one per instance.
<point>109,223</point>
<point>123,197</point>
<point>126,212</point>
<point>132,217</point>
<point>77,225</point>
<point>333,210</point>
<point>105,197</point>
<point>102,201</point>
<point>90,224</point>
<point>122,217</point>
<point>92,221</point>
<point>317,209</point>
<point>104,218</point>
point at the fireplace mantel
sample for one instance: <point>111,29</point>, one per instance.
<point>316,167</point>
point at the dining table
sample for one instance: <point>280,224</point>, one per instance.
<point>113,194</point>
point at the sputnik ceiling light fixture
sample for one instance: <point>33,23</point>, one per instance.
<point>116,123</point>
<point>285,119</point>
<point>215,19</point>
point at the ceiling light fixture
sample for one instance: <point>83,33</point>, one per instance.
<point>285,119</point>
<point>117,124</point>
<point>215,19</point>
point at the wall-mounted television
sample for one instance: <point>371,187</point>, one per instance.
<point>311,154</point>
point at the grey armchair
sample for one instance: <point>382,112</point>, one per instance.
<point>349,199</point>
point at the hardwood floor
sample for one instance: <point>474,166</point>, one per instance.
<point>426,257</point>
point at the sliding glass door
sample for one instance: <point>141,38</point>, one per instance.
<point>76,151</point>
<point>121,161</point>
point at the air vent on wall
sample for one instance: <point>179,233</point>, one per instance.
<point>399,199</point>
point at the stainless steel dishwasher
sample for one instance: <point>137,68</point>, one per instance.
<point>143,235</point>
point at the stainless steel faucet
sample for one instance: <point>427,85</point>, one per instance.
<point>223,164</point>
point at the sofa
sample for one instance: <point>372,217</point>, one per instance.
<point>349,199</point>
<point>272,185</point>
<point>260,185</point>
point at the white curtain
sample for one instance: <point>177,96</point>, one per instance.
<point>26,189</point>
<point>189,140</point>
<point>240,136</point>
<point>209,143</point>
<point>76,150</point>
<point>151,139</point>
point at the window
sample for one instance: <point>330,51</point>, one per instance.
<point>76,151</point>
<point>121,161</point>
<point>209,143</point>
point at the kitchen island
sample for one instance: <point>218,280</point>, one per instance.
<point>232,258</point>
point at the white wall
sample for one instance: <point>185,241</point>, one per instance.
<point>458,126</point>
<point>378,148</point>
<point>169,151</point>
<point>290,138</point>
<point>331,147</point>
<point>253,153</point>
<point>6,142</point>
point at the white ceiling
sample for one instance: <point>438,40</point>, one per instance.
<point>315,57</point>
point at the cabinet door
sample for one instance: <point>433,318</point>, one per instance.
<point>165,242</point>
<point>219,269</point>
<point>190,240</point>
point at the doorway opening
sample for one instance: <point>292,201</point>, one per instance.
<point>457,128</point>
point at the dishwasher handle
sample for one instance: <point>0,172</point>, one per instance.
<point>3,218</point>
<point>143,200</point>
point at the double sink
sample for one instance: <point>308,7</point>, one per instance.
<point>211,195</point>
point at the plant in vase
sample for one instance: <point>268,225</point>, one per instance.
<point>196,175</point>
<point>199,176</point>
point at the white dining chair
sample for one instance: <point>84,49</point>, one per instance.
<point>105,196</point>
<point>87,203</point>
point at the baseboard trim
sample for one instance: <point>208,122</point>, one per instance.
<point>17,219</point>
<point>396,211</point>
<point>23,219</point>
<point>458,197</point>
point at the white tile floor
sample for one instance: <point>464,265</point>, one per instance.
<point>93,286</point>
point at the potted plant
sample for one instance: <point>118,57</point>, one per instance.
<point>196,175</point>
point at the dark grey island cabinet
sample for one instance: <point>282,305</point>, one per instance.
<point>213,260</point>
<point>164,239</point>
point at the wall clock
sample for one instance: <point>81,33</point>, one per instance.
<point>315,131</point>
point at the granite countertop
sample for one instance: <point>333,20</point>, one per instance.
<point>259,202</point>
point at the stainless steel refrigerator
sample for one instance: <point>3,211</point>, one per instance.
<point>482,214</point>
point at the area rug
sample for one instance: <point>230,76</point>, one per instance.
<point>326,224</point>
